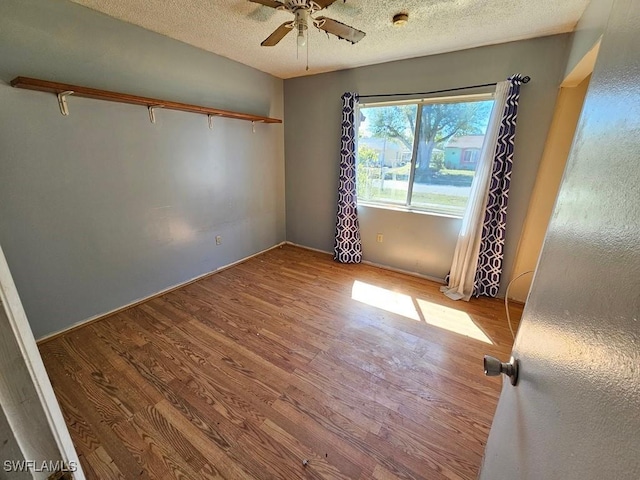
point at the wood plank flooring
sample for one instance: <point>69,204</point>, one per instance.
<point>245,374</point>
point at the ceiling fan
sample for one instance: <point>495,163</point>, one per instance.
<point>303,10</point>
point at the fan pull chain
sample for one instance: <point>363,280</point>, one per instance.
<point>308,40</point>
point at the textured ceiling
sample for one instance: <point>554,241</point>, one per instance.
<point>235,28</point>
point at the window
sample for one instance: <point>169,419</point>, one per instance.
<point>421,155</point>
<point>470,156</point>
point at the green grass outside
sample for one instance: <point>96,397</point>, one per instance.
<point>366,191</point>
<point>418,198</point>
<point>403,170</point>
<point>464,173</point>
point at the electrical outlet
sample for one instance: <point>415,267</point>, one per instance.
<point>379,238</point>
<point>218,240</point>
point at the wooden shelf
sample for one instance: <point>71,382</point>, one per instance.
<point>60,88</point>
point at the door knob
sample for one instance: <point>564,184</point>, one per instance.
<point>494,367</point>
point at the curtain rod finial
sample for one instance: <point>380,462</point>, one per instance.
<point>526,79</point>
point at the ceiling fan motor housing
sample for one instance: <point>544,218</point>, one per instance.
<point>294,5</point>
<point>303,11</point>
<point>301,21</point>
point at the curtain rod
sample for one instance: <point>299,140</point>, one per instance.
<point>524,80</point>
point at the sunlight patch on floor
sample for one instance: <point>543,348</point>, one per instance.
<point>434,314</point>
<point>451,319</point>
<point>384,299</point>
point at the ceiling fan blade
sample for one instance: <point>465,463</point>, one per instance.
<point>339,29</point>
<point>323,3</point>
<point>269,3</point>
<point>278,34</point>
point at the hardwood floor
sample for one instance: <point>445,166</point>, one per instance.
<point>250,371</point>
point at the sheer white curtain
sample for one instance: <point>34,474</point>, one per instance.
<point>465,258</point>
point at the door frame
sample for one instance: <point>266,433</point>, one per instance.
<point>26,393</point>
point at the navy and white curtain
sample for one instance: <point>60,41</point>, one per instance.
<point>477,263</point>
<point>347,246</point>
<point>489,268</point>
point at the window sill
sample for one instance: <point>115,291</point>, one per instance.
<point>404,208</point>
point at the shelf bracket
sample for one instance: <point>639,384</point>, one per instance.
<point>62,102</point>
<point>253,127</point>
<point>210,121</point>
<point>152,112</point>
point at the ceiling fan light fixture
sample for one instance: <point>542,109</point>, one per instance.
<point>302,24</point>
<point>302,39</point>
<point>400,19</point>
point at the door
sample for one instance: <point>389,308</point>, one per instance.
<point>31,420</point>
<point>575,413</point>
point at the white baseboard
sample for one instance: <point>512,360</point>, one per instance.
<point>378,265</point>
<point>406,272</point>
<point>308,248</point>
<point>95,318</point>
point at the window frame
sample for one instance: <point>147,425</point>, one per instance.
<point>419,102</point>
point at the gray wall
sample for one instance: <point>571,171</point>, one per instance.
<point>101,208</point>
<point>312,145</point>
<point>575,413</point>
<point>414,242</point>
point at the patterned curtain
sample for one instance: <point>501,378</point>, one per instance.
<point>347,247</point>
<point>489,269</point>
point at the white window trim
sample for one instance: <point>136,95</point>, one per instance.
<point>410,209</point>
